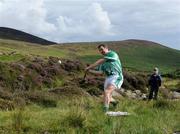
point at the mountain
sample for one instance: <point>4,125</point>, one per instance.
<point>140,55</point>
<point>13,34</point>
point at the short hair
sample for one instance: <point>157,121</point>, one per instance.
<point>102,45</point>
<point>156,69</point>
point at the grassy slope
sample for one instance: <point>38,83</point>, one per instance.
<point>84,115</point>
<point>136,55</point>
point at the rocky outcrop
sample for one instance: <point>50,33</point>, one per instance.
<point>175,95</point>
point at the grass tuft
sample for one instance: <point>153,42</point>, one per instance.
<point>163,104</point>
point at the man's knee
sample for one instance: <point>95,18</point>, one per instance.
<point>109,89</point>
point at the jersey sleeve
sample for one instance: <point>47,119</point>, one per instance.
<point>111,56</point>
<point>99,68</point>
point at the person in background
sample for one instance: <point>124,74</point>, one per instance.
<point>109,65</point>
<point>154,83</point>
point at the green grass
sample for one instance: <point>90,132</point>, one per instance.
<point>134,55</point>
<point>25,48</point>
<point>11,58</point>
<point>172,84</point>
<point>84,115</point>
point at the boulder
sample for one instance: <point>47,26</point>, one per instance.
<point>143,96</point>
<point>138,92</point>
<point>175,95</point>
<point>116,94</point>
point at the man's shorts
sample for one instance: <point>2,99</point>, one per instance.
<point>115,80</point>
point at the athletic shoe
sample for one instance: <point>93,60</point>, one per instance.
<point>114,103</point>
<point>105,109</point>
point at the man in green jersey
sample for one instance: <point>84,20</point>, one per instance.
<point>109,65</point>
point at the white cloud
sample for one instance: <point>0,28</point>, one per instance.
<point>154,14</point>
<point>26,15</point>
<point>99,19</point>
<point>95,20</point>
<point>92,21</point>
<point>151,20</point>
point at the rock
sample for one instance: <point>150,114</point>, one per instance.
<point>20,77</point>
<point>122,90</point>
<point>18,66</point>
<point>38,59</point>
<point>143,97</point>
<point>133,96</point>
<point>138,92</point>
<point>11,53</point>
<point>128,93</point>
<point>116,94</point>
<point>176,132</point>
<point>165,93</point>
<point>178,90</point>
<point>175,95</point>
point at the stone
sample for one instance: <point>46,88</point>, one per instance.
<point>175,95</point>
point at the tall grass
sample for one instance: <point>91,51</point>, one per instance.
<point>18,121</point>
<point>77,114</point>
<point>84,115</point>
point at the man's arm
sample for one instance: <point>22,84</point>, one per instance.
<point>160,80</point>
<point>98,62</point>
<point>149,81</point>
<point>95,72</point>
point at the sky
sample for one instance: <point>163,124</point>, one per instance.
<point>65,21</point>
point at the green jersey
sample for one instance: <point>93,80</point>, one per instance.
<point>112,65</point>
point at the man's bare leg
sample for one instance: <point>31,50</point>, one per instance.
<point>108,96</point>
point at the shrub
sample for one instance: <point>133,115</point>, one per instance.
<point>174,75</point>
<point>6,105</point>
<point>5,94</point>
<point>42,98</point>
<point>94,91</point>
<point>165,93</point>
<point>134,81</point>
<point>70,90</point>
<point>19,102</point>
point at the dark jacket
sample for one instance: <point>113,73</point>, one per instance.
<point>155,81</point>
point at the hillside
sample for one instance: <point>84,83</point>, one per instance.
<point>135,54</point>
<point>142,55</point>
<point>12,34</point>
<point>39,94</point>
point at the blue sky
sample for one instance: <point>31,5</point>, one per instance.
<point>95,20</point>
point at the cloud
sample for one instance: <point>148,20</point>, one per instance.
<point>33,17</point>
<point>95,20</point>
<point>153,16</point>
<point>99,19</point>
<point>150,20</point>
<point>26,15</point>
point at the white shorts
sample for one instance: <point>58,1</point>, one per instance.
<point>114,80</point>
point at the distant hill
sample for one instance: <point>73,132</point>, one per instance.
<point>140,55</point>
<point>13,34</point>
